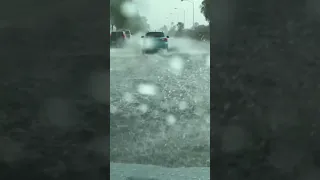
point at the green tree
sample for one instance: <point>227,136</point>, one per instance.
<point>196,24</point>
<point>137,23</point>
<point>180,27</point>
<point>118,19</point>
<point>204,7</point>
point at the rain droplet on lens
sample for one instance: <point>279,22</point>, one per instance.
<point>176,64</point>
<point>208,61</point>
<point>128,9</point>
<point>128,97</point>
<point>143,108</point>
<point>113,109</point>
<point>183,105</point>
<point>171,120</point>
<point>147,89</point>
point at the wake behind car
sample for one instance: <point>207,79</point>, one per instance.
<point>117,39</point>
<point>154,41</point>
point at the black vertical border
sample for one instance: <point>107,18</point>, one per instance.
<point>211,100</point>
<point>18,40</point>
<point>108,63</point>
<point>287,90</point>
<point>211,25</point>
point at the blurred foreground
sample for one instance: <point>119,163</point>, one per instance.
<point>160,105</point>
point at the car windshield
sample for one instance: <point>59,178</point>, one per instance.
<point>155,34</point>
<point>160,101</point>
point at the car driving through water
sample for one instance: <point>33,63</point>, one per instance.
<point>154,41</point>
<point>118,39</point>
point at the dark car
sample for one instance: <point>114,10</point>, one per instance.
<point>128,33</point>
<point>117,39</point>
<point>154,41</point>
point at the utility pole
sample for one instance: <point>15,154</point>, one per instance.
<point>192,10</point>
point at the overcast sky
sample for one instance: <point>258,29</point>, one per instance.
<point>161,12</point>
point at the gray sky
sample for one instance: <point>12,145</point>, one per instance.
<point>163,12</point>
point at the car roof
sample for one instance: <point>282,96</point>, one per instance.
<point>123,30</point>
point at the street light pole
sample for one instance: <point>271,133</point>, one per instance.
<point>192,10</point>
<point>184,15</point>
